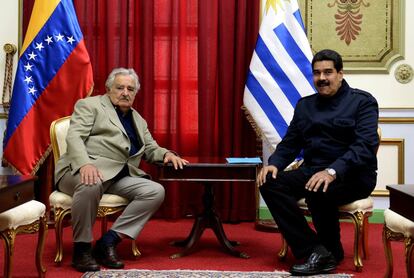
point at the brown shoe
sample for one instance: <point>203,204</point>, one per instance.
<point>106,255</point>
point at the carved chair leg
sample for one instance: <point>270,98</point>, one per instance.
<point>409,250</point>
<point>357,219</point>
<point>8,237</point>
<point>283,250</point>
<point>59,216</point>
<point>135,249</point>
<point>41,269</point>
<point>365,232</point>
<point>386,234</point>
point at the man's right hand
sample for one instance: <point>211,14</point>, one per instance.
<point>261,177</point>
<point>90,175</point>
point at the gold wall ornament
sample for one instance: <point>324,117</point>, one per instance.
<point>348,18</point>
<point>404,73</point>
<point>10,50</point>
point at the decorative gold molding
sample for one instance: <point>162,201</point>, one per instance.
<point>396,108</point>
<point>371,32</point>
<point>396,120</point>
<point>404,73</point>
<point>399,143</point>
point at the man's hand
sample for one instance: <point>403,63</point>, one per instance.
<point>177,161</point>
<point>261,177</point>
<point>90,175</point>
<point>319,179</point>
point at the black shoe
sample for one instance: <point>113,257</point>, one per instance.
<point>106,255</point>
<point>84,262</point>
<point>317,263</point>
<point>339,256</point>
<point>336,250</point>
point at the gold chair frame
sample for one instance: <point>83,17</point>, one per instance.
<point>389,235</point>
<point>9,237</point>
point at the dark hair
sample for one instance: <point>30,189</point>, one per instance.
<point>330,55</point>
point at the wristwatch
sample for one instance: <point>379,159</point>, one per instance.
<point>331,172</point>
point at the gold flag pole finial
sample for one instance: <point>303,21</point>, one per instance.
<point>10,48</point>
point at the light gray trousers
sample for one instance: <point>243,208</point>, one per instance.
<point>145,197</point>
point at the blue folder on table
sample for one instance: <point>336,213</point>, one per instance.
<point>241,160</point>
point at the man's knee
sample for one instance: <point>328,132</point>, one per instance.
<point>159,192</point>
<point>152,191</point>
<point>88,192</point>
<point>271,184</point>
<point>264,189</point>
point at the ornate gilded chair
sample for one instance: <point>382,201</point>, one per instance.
<point>398,228</point>
<point>61,203</point>
<point>358,212</point>
<point>26,218</point>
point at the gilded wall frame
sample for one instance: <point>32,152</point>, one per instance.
<point>391,169</point>
<point>369,34</point>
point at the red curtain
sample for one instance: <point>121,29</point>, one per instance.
<point>226,39</point>
<point>192,58</point>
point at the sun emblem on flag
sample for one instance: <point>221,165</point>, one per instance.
<point>273,4</point>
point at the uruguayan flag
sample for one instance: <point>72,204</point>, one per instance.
<point>280,71</point>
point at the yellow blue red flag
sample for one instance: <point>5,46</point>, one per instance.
<point>53,72</point>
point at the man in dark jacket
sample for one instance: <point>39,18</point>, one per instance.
<point>337,131</point>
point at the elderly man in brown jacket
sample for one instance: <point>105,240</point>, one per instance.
<point>106,141</point>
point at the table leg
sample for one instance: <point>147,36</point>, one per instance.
<point>189,243</point>
<point>208,219</point>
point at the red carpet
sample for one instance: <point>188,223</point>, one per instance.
<point>153,244</point>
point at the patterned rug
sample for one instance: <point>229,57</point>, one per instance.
<point>135,273</point>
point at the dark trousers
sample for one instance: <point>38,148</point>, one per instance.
<point>281,196</point>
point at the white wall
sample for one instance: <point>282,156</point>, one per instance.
<point>9,33</point>
<point>9,30</point>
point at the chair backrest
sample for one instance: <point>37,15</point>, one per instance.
<point>379,138</point>
<point>58,131</point>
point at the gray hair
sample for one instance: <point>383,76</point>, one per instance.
<point>122,71</point>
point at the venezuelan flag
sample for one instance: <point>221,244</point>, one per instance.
<point>53,72</point>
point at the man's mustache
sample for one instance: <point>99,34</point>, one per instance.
<point>321,83</point>
<point>125,98</point>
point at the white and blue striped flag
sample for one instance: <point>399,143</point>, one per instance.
<point>280,70</point>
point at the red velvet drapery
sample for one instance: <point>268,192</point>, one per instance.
<point>227,35</point>
<point>192,58</point>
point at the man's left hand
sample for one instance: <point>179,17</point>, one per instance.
<point>177,161</point>
<point>321,178</point>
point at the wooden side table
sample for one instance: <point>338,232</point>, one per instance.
<point>15,190</point>
<point>208,171</point>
